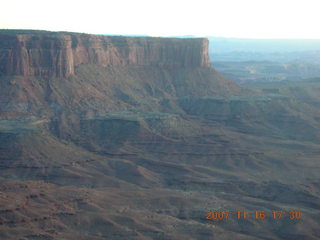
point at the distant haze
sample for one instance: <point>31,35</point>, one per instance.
<point>275,50</point>
<point>227,18</point>
<point>263,45</point>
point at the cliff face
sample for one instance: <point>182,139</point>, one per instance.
<point>57,54</point>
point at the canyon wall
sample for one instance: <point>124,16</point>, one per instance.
<point>51,54</point>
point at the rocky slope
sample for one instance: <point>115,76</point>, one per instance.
<point>52,72</point>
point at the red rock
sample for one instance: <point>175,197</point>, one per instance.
<point>57,54</point>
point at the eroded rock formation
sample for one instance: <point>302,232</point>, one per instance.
<point>57,54</point>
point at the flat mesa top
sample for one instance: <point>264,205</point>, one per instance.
<point>14,32</point>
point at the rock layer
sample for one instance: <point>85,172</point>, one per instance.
<point>57,54</point>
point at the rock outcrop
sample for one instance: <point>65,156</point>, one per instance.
<point>57,54</point>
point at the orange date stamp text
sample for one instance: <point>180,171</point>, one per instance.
<point>257,214</point>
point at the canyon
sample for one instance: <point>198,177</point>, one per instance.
<point>112,137</point>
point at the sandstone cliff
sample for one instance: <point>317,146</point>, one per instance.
<point>57,54</point>
<point>105,73</point>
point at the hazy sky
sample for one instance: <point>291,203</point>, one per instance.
<point>228,18</point>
